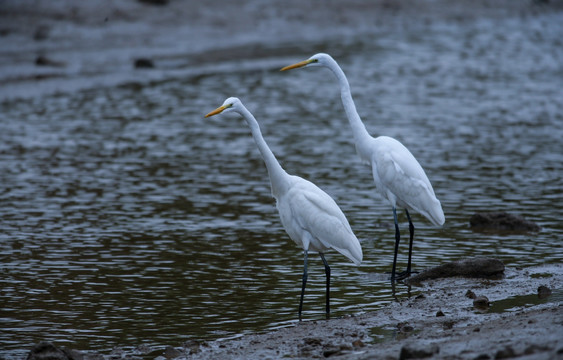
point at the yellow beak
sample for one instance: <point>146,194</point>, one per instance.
<point>298,65</point>
<point>216,111</point>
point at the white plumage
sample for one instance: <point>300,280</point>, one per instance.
<point>398,176</point>
<point>309,215</point>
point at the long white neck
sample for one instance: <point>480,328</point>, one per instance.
<point>361,135</point>
<point>278,176</point>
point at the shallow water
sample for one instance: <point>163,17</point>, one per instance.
<point>129,219</point>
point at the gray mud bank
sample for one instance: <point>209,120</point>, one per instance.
<point>440,322</point>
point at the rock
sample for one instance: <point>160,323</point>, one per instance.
<point>472,267</point>
<point>506,353</point>
<point>42,60</point>
<point>543,291</point>
<point>482,357</point>
<point>48,351</point>
<point>358,344</point>
<point>470,294</point>
<point>481,302</point>
<point>332,350</point>
<point>416,351</point>
<point>41,33</point>
<point>501,221</point>
<point>440,313</point>
<point>143,63</point>
<point>155,2</point>
<point>193,346</point>
<point>172,353</point>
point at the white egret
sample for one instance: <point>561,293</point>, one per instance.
<point>398,176</point>
<point>311,218</point>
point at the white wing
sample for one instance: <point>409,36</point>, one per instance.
<point>401,179</point>
<point>314,220</point>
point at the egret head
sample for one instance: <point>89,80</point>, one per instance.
<point>320,59</point>
<point>231,104</point>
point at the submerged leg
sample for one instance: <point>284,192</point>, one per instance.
<point>397,240</point>
<point>408,272</point>
<point>304,283</point>
<point>327,273</point>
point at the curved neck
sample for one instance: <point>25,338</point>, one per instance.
<point>278,176</point>
<point>358,127</point>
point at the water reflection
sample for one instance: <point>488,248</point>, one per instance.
<point>129,219</point>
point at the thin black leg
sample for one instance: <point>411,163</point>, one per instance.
<point>327,273</point>
<point>304,284</point>
<point>404,274</point>
<point>411,231</point>
<point>397,240</point>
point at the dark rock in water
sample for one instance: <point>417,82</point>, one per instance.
<point>144,63</point>
<point>543,291</point>
<point>481,302</point>
<point>470,294</point>
<point>440,313</point>
<point>501,221</point>
<point>48,351</point>
<point>415,351</point>
<point>473,267</point>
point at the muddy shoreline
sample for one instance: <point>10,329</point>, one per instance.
<point>441,322</point>
<point>463,332</point>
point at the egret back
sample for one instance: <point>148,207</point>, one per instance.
<point>314,221</point>
<point>400,179</point>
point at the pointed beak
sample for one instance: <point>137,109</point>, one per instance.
<point>216,111</point>
<point>298,65</point>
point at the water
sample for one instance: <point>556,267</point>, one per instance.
<point>128,219</point>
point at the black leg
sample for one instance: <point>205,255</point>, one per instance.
<point>304,283</point>
<point>397,240</point>
<point>407,273</point>
<point>327,273</point>
<point>411,231</point>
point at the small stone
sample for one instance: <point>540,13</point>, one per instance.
<point>447,325</point>
<point>144,63</point>
<point>172,353</point>
<point>543,291</point>
<point>358,343</point>
<point>470,294</point>
<point>313,341</point>
<point>415,351</point>
<point>47,351</point>
<point>483,357</point>
<point>506,353</point>
<point>440,313</point>
<point>481,302</point>
<point>193,346</point>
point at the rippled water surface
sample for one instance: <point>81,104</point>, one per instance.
<point>129,219</point>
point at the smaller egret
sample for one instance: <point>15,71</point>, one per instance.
<point>398,176</point>
<point>311,218</point>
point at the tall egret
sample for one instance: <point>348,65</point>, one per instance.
<point>310,216</point>
<point>398,177</point>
